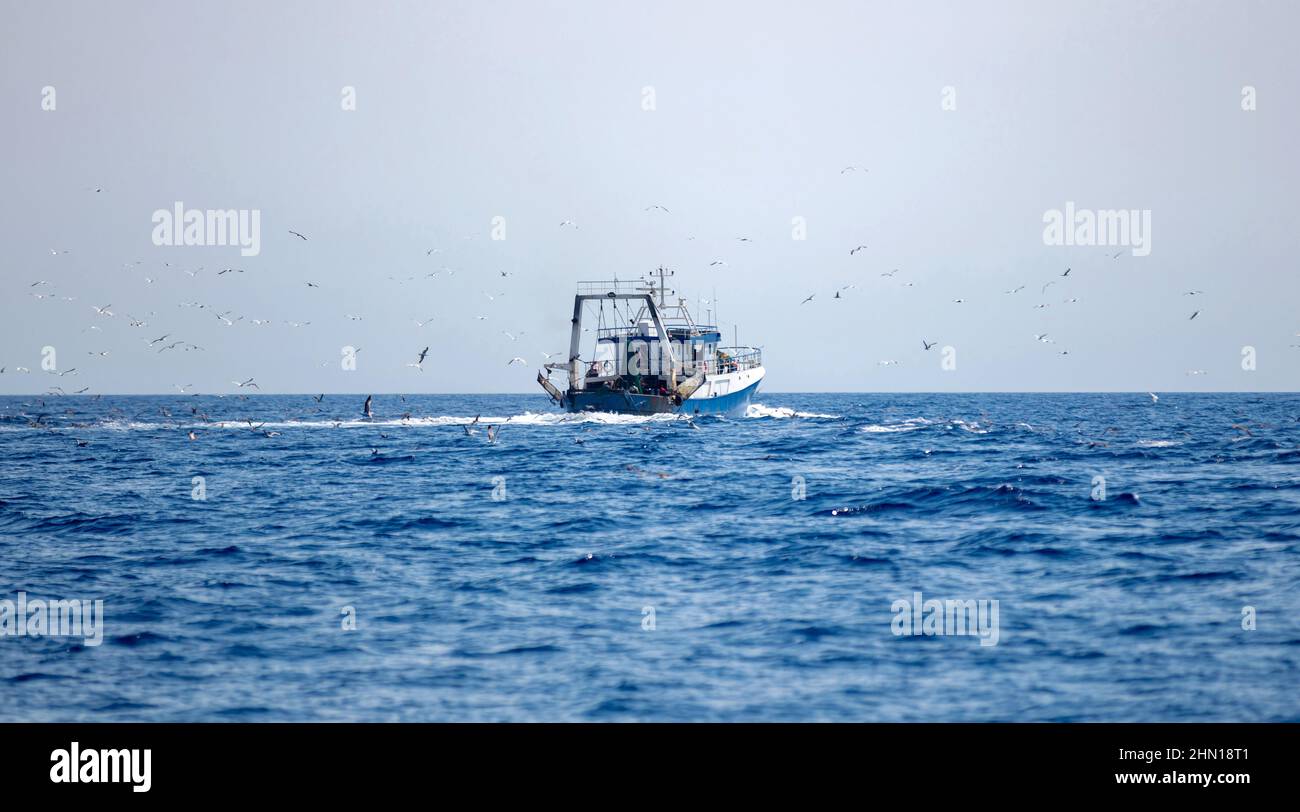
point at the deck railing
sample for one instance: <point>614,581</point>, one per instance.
<point>739,358</point>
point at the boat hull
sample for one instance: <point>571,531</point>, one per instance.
<point>707,400</point>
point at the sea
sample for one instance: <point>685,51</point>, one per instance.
<point>827,557</point>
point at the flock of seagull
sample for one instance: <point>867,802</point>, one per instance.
<point>43,289</point>
<point>1042,338</point>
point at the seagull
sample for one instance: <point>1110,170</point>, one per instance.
<point>1015,290</point>
<point>1067,272</point>
<point>837,295</point>
<point>103,311</point>
<point>229,270</point>
<point>1194,315</point>
<point>181,387</point>
<point>958,301</point>
<point>312,285</point>
<point>564,223</point>
<point>193,436</point>
<point>422,323</point>
<point>1193,292</point>
<point>928,344</point>
<point>890,273</point>
<point>809,299</point>
<point>516,358</point>
<point>1154,397</point>
<point>1043,339</point>
<point>366,410</point>
<point>296,234</point>
<point>1116,255</point>
<point>853,251</point>
<point>423,353</point>
<point>1048,285</point>
<point>319,398</point>
<point>887,363</point>
<point>716,262</point>
<point>492,434</point>
<point>248,382</point>
<point>661,208</point>
<point>469,431</point>
<point>852,169</point>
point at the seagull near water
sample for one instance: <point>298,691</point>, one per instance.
<point>248,382</point>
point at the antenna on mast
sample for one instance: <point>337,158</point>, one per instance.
<point>662,273</point>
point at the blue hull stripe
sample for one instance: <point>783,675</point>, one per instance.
<point>732,404</point>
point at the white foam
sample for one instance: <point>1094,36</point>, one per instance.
<point>910,424</point>
<point>759,410</point>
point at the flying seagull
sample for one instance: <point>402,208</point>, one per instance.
<point>1194,315</point>
<point>296,234</point>
<point>928,344</point>
<point>248,382</point>
<point>856,250</point>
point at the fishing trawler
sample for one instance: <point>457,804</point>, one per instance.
<point>650,357</point>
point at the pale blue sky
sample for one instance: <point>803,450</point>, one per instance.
<point>533,112</point>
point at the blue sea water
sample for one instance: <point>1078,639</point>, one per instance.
<point>517,579</point>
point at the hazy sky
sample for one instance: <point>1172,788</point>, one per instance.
<point>536,112</point>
